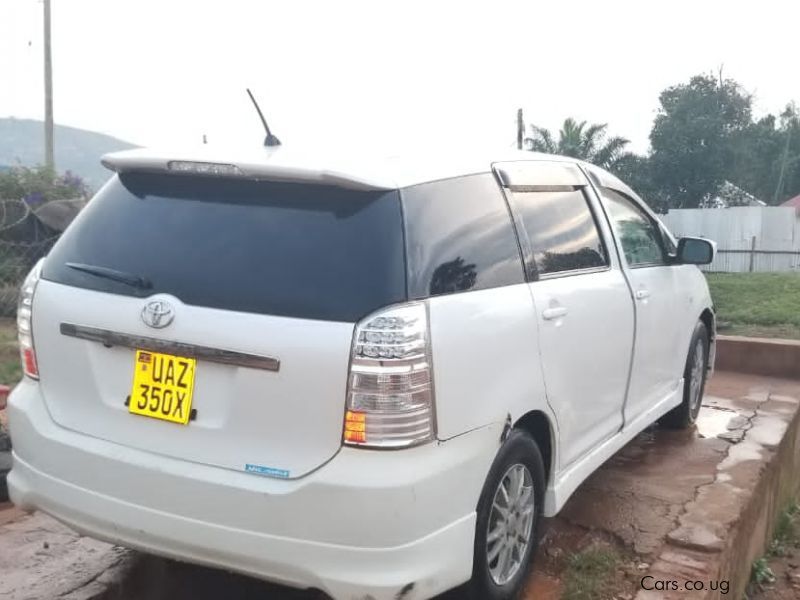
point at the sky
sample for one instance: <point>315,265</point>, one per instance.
<point>394,75</point>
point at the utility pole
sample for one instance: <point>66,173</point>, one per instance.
<point>49,159</point>
<point>520,129</point>
<point>785,159</point>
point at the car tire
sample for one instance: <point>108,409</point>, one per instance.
<point>694,382</point>
<point>5,462</point>
<point>509,511</point>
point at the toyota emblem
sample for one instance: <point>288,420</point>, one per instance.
<point>158,314</point>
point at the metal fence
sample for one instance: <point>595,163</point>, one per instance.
<point>26,235</point>
<point>749,238</point>
<point>16,260</point>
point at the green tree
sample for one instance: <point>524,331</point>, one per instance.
<point>39,184</point>
<point>703,136</point>
<point>767,157</point>
<point>693,137</point>
<point>637,171</point>
<point>755,158</point>
<point>579,140</point>
<point>788,184</point>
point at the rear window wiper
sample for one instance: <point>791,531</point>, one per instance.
<point>121,276</point>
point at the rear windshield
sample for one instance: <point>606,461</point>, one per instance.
<point>298,250</point>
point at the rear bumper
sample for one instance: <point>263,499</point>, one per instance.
<point>365,524</point>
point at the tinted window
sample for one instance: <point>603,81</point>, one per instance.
<point>561,230</point>
<point>305,251</point>
<point>636,232</point>
<point>459,236</point>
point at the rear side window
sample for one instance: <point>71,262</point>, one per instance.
<point>561,231</point>
<point>459,236</point>
<point>313,252</point>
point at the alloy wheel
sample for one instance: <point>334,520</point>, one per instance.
<point>696,374</point>
<point>510,525</point>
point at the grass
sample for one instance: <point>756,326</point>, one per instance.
<point>785,542</point>
<point>589,572</point>
<point>761,573</point>
<point>757,304</point>
<point>786,537</point>
<point>10,369</point>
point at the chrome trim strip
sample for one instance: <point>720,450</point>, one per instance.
<point>140,342</point>
<point>571,272</point>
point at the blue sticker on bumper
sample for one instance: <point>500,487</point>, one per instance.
<point>266,471</point>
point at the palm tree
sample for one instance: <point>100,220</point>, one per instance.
<point>579,140</point>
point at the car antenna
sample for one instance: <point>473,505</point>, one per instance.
<point>270,140</point>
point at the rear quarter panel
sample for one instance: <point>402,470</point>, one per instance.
<point>486,358</point>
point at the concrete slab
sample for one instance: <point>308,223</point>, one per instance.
<point>40,558</point>
<point>694,505</point>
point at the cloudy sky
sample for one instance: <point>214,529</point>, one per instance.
<point>399,74</point>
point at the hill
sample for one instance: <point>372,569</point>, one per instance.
<point>77,150</point>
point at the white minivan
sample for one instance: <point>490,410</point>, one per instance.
<point>369,377</point>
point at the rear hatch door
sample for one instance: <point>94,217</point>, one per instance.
<point>259,282</point>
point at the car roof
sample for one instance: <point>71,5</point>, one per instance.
<point>354,170</point>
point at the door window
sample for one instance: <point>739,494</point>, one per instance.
<point>561,231</point>
<point>637,233</point>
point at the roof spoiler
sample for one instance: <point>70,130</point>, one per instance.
<point>263,169</point>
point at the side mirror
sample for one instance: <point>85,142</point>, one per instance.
<point>695,251</point>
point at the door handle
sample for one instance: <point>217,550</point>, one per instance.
<point>642,294</point>
<point>554,313</point>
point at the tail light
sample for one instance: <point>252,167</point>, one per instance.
<point>24,329</point>
<point>390,397</point>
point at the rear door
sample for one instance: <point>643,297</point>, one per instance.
<point>583,304</point>
<point>260,283</point>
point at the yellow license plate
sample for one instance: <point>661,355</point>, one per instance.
<point>162,386</point>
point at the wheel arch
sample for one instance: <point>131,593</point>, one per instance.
<point>538,425</point>
<point>709,319</point>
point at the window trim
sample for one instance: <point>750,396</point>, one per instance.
<point>529,264</point>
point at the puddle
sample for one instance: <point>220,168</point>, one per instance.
<point>713,421</point>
